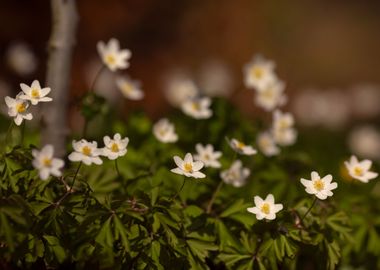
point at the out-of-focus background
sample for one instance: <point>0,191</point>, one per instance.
<point>327,52</point>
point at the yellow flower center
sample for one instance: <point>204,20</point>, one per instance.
<point>240,145</point>
<point>319,185</point>
<point>358,171</point>
<point>265,208</point>
<point>206,156</point>
<point>86,151</point>
<point>257,72</point>
<point>196,106</point>
<point>46,162</point>
<point>127,87</point>
<point>21,107</point>
<point>188,167</point>
<point>268,93</point>
<point>115,147</point>
<point>35,93</point>
<point>110,59</point>
<point>283,124</point>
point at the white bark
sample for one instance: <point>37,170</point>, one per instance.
<point>60,47</point>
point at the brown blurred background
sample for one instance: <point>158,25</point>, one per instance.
<point>314,43</point>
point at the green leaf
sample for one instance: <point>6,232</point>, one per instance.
<point>55,247</point>
<point>237,207</point>
<point>120,232</point>
<point>104,236</point>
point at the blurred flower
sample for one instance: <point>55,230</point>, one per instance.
<point>112,56</point>
<point>242,148</point>
<point>188,167</point>
<point>21,59</point>
<point>360,170</point>
<point>267,145</point>
<point>365,142</point>
<point>129,88</point>
<point>236,175</point>
<point>215,79</point>
<point>116,147</point>
<point>180,90</point>
<point>271,95</point>
<point>34,93</point>
<point>283,132</point>
<point>198,108</point>
<point>18,108</point>
<point>265,208</point>
<point>259,72</point>
<point>365,100</point>
<point>86,152</point>
<point>164,131</point>
<point>207,155</point>
<point>45,163</point>
<point>320,187</point>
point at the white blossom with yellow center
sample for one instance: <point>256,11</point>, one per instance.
<point>86,152</point>
<point>179,89</point>
<point>164,131</point>
<point>198,108</point>
<point>241,147</point>
<point>188,167</point>
<point>258,73</point>
<point>112,56</point>
<point>360,170</point>
<point>267,145</point>
<point>265,209</point>
<point>236,175</point>
<point>35,93</point>
<point>271,95</point>
<point>116,147</point>
<point>207,155</point>
<point>283,130</point>
<point>318,186</point>
<point>45,162</point>
<point>129,88</point>
<point>18,109</point>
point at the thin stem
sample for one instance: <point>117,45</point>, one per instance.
<point>183,184</point>
<point>209,206</point>
<point>117,168</point>
<point>22,132</point>
<point>97,75</point>
<point>9,131</point>
<point>75,176</point>
<point>308,210</point>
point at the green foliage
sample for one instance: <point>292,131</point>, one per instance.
<point>130,221</point>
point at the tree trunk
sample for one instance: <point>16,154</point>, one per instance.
<point>60,47</point>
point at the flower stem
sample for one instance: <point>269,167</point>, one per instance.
<point>183,184</point>
<point>22,132</point>
<point>97,76</point>
<point>308,210</point>
<point>209,206</point>
<point>117,169</point>
<point>75,176</point>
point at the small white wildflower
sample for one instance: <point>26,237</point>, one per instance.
<point>18,109</point>
<point>116,147</point>
<point>86,152</point>
<point>267,145</point>
<point>365,141</point>
<point>259,72</point>
<point>198,108</point>
<point>35,93</point>
<point>207,155</point>
<point>112,56</point>
<point>283,131</point>
<point>236,175</point>
<point>164,131</point>
<point>45,162</point>
<point>188,167</point>
<point>180,89</point>
<point>265,208</point>
<point>21,59</point>
<point>242,148</point>
<point>129,88</point>
<point>271,95</point>
<point>360,170</point>
<point>320,187</point>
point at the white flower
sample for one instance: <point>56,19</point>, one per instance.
<point>320,187</point>
<point>178,90</point>
<point>45,163</point>
<point>365,141</point>
<point>18,108</point>
<point>164,131</point>
<point>116,147</point>
<point>35,93</point>
<point>215,79</point>
<point>112,56</point>
<point>265,208</point>
<point>259,72</point>
<point>21,59</point>
<point>188,167</point>
<point>242,148</point>
<point>129,88</point>
<point>282,120</point>
<point>283,131</point>
<point>271,95</point>
<point>86,152</point>
<point>207,155</point>
<point>236,175</point>
<point>198,108</point>
<point>360,170</point>
<point>267,145</point>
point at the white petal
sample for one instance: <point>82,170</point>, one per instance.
<point>270,199</point>
<point>178,161</point>
<point>177,170</point>
<point>197,165</point>
<point>258,201</point>
<point>253,210</point>
<point>314,176</point>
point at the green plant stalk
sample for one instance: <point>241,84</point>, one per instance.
<point>179,191</point>
<point>75,176</point>
<point>209,206</point>
<point>308,210</point>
